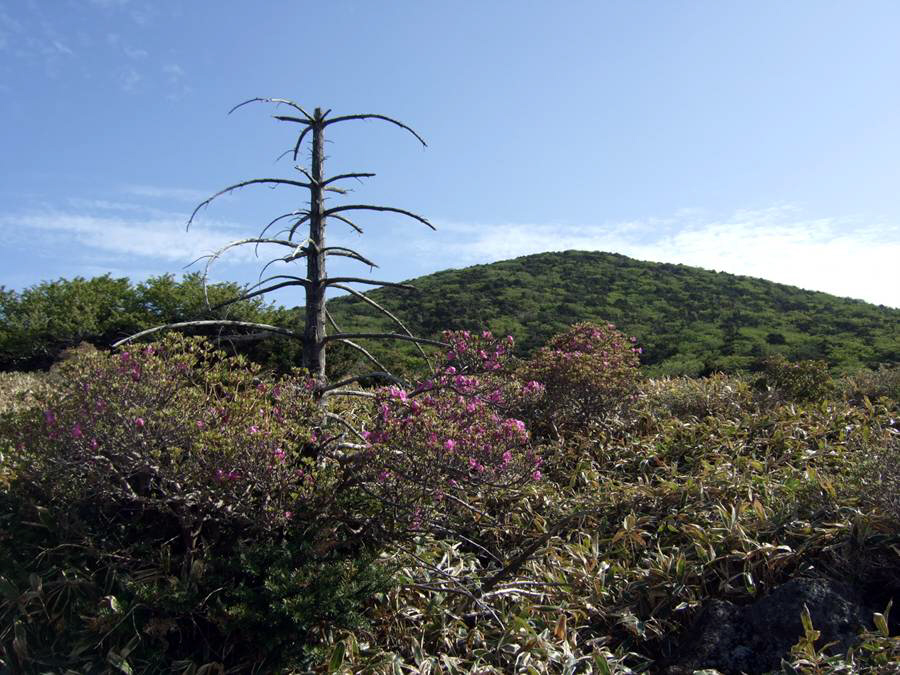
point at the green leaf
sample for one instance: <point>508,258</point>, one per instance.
<point>337,658</point>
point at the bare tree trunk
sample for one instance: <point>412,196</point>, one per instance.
<point>314,332</point>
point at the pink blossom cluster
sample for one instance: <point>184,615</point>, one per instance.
<point>450,433</point>
<point>584,373</point>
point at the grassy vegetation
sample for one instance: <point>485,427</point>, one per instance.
<point>678,491</point>
<point>689,321</point>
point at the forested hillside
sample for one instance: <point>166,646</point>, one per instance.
<point>688,320</point>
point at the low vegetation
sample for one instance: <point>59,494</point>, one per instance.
<point>174,509</point>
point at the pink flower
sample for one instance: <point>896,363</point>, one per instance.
<point>94,444</point>
<point>200,424</point>
<point>397,393</point>
<point>50,417</point>
<point>76,431</point>
<point>536,474</point>
<point>254,429</point>
<point>288,514</point>
<point>449,445</point>
<point>139,422</point>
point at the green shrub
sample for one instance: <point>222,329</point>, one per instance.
<point>167,508</point>
<point>873,384</point>
<point>799,381</point>
<point>718,394</point>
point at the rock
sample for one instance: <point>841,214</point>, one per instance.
<point>753,639</point>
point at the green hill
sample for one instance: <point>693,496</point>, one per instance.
<point>689,320</point>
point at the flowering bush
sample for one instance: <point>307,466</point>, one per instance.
<point>177,489</point>
<point>430,448</point>
<point>587,371</point>
<point>172,426</point>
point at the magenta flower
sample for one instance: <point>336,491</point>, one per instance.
<point>449,445</point>
<point>200,424</point>
<point>76,431</point>
<point>49,417</point>
<point>536,474</point>
<point>254,429</point>
<point>139,422</point>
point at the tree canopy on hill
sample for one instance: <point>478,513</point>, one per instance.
<point>689,321</point>
<point>43,320</point>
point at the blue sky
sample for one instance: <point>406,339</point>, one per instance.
<point>755,138</point>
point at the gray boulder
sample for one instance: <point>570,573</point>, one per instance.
<point>754,638</point>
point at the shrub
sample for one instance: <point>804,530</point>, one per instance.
<point>795,381</point>
<point>718,394</point>
<point>586,372</point>
<point>873,384</point>
<point>432,448</point>
<point>166,508</point>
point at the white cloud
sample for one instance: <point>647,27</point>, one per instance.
<point>158,192</point>
<point>159,238</point>
<point>134,53</point>
<point>840,256</point>
<point>62,49</point>
<point>129,78</point>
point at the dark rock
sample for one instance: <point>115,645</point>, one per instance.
<point>754,638</point>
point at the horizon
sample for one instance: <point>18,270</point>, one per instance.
<point>760,141</point>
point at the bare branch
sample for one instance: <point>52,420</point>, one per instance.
<point>390,315</point>
<point>255,181</point>
<point>369,116</point>
<point>272,100</point>
<point>305,173</point>
<point>351,392</point>
<point>288,118</point>
<point>292,281</point>
<point>361,349</point>
<point>342,176</point>
<point>356,378</point>
<point>299,252</point>
<point>372,282</point>
<point>350,427</point>
<point>385,336</point>
<point>303,213</point>
<point>299,142</point>
<point>347,253</point>
<point>331,320</point>
<point>211,322</point>
<point>349,222</point>
<point>386,209</point>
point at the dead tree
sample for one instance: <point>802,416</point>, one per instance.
<point>303,234</point>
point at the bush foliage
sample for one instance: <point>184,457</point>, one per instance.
<point>173,509</point>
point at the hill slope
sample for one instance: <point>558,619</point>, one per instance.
<point>689,320</point>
